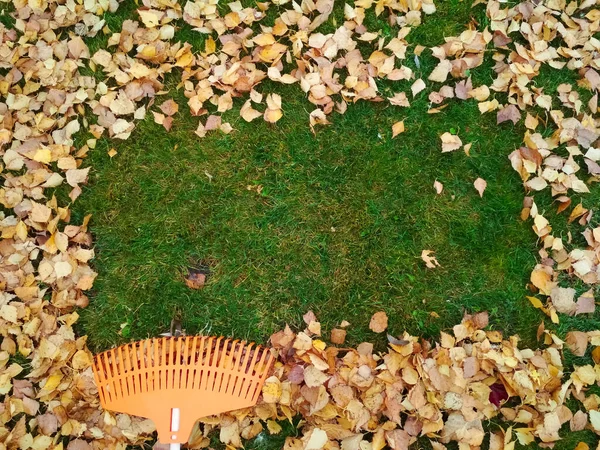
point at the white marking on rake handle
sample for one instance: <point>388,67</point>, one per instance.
<point>174,427</point>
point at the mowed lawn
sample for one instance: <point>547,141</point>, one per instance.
<point>287,221</point>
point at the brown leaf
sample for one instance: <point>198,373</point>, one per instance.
<point>313,377</point>
<point>338,336</point>
<point>462,88</point>
<point>47,423</point>
<point>79,444</point>
<point>417,87</point>
<point>196,278</point>
<point>379,322</point>
<point>441,71</point>
<point>399,99</point>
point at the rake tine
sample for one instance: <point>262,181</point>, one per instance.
<point>188,377</point>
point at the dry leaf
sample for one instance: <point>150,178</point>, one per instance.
<point>430,261</point>
<point>480,185</point>
<point>562,299</point>
<point>510,112</point>
<point>417,87</point>
<point>439,187</point>
<point>577,342</point>
<point>450,142</point>
<point>169,107</point>
<point>379,322</point>
<point>338,336</point>
<point>397,128</point>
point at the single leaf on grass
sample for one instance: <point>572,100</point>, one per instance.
<point>417,86</point>
<point>450,142</point>
<point>578,211</point>
<point>439,187</point>
<point>430,261</point>
<point>480,185</point>
<point>397,128</point>
<point>379,322</point>
<point>195,278</point>
<point>248,113</point>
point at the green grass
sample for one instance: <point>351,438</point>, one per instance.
<point>275,255</point>
<point>338,227</point>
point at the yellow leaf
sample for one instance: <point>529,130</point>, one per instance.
<point>273,427</point>
<point>536,302</point>
<point>43,155</point>
<point>81,360</point>
<point>319,344</point>
<point>185,60</point>
<point>397,128</point>
<point>210,46</point>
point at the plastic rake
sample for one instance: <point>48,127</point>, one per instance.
<point>176,380</point>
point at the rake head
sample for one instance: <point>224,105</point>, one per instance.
<point>175,381</point>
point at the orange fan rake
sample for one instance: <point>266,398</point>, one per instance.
<point>176,380</point>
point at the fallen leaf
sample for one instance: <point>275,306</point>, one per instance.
<point>441,71</point>
<point>480,185</point>
<point>196,278</point>
<point>562,299</point>
<point>450,142</point>
<point>510,112</point>
<point>397,128</point>
<point>169,107</point>
<point>338,336</point>
<point>417,87</point>
<point>577,342</point>
<point>430,261</point>
<point>439,187</point>
<point>379,322</point>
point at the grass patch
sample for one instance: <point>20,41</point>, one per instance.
<point>338,227</point>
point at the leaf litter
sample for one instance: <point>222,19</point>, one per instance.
<point>352,398</point>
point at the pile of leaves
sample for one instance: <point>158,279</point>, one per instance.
<point>54,89</point>
<point>354,398</point>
